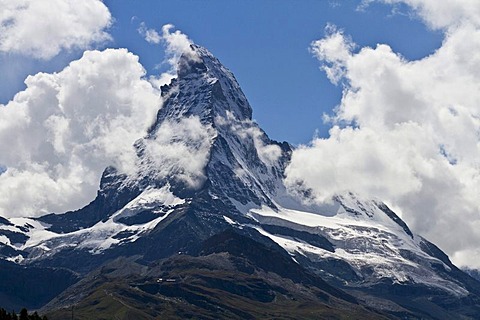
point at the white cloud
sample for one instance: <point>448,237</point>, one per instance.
<point>177,44</point>
<point>334,50</point>
<point>150,35</point>
<point>249,130</point>
<point>443,14</point>
<point>268,153</point>
<point>179,150</point>
<point>59,134</point>
<point>405,131</point>
<point>42,28</point>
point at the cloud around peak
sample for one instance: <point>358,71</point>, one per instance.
<point>176,44</point>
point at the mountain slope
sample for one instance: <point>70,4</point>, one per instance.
<point>224,280</point>
<point>205,167</point>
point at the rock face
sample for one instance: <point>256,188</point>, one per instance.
<point>210,181</point>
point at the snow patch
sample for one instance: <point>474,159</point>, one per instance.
<point>17,259</point>
<point>149,199</point>
<point>5,240</point>
<point>367,240</point>
<point>102,235</point>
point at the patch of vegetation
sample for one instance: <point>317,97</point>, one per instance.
<point>23,315</point>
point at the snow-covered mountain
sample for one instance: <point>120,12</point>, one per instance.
<point>206,167</point>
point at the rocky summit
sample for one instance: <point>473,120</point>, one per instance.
<point>206,228</point>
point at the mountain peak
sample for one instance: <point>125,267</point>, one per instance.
<point>192,62</point>
<point>204,88</point>
<point>242,165</point>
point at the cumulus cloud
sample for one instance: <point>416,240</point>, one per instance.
<point>178,150</point>
<point>59,134</point>
<point>42,28</point>
<point>406,131</point>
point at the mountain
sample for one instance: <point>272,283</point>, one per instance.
<point>206,228</point>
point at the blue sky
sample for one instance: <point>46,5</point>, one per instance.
<point>264,43</point>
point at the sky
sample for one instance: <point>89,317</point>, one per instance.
<point>265,43</point>
<point>379,96</point>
